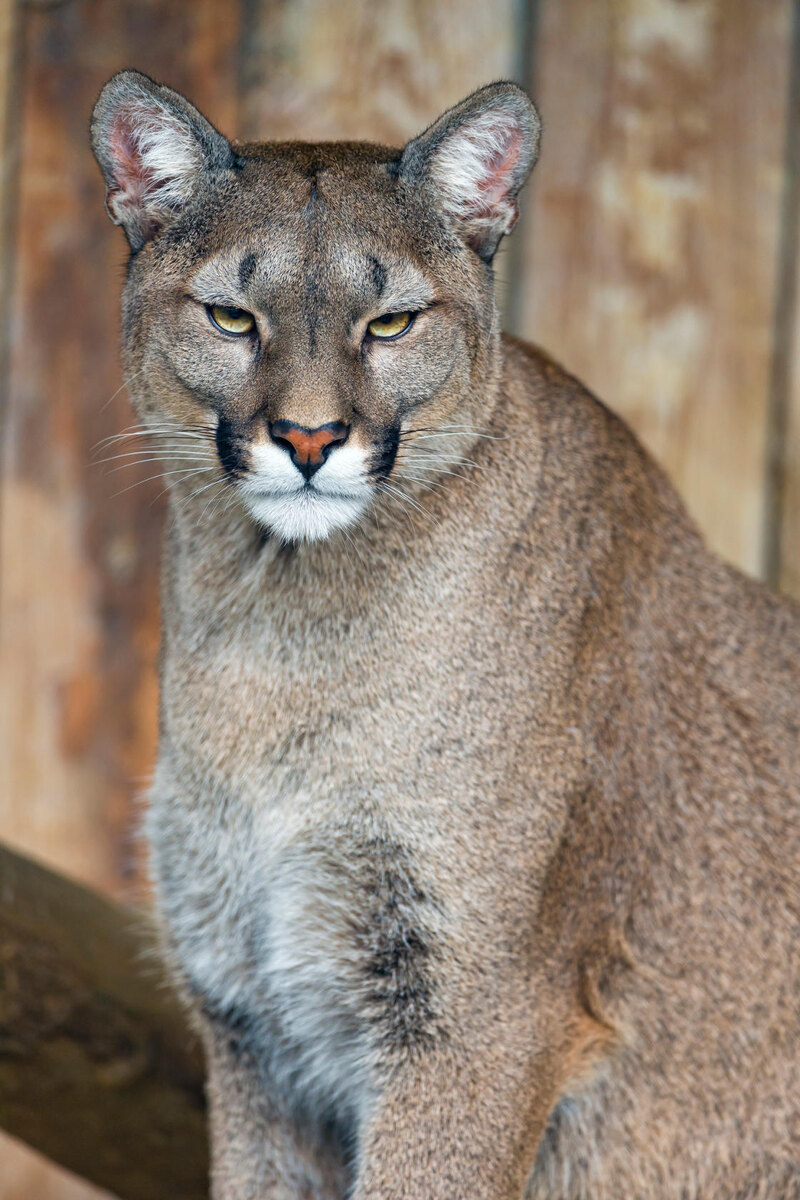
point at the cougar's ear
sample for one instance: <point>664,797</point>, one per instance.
<point>474,160</point>
<point>156,152</point>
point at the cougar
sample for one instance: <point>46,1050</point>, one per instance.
<point>474,827</point>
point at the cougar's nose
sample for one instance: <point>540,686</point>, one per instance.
<point>308,447</point>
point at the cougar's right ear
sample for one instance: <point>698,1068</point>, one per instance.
<point>156,152</point>
<point>472,162</point>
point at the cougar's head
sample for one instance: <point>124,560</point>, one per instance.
<point>318,321</point>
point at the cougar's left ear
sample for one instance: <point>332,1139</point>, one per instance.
<point>474,160</point>
<point>156,152</point>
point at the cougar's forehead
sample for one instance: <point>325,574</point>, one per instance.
<point>282,267</point>
<point>302,238</point>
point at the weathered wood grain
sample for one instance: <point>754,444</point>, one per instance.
<point>322,69</point>
<point>652,241</point>
<point>782,524</point>
<point>788,511</point>
<point>98,1069</point>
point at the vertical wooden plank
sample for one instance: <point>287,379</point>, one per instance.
<point>788,578</point>
<point>8,149</point>
<point>324,69</point>
<point>23,1175</point>
<point>788,512</point>
<point>652,240</point>
<point>782,533</point>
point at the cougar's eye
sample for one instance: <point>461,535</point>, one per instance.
<point>391,325</point>
<point>231,320</point>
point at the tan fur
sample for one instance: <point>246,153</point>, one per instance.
<point>475,826</point>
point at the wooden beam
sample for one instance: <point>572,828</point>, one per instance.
<point>98,1069</point>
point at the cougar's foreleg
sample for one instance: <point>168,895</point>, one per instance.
<point>258,1152</point>
<point>455,1126</point>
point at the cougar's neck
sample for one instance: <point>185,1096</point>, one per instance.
<point>220,568</point>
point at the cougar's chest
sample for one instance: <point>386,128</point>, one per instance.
<point>314,943</point>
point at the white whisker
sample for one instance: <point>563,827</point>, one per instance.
<point>152,478</point>
<point>125,383</point>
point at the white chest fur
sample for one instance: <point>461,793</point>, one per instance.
<point>313,943</point>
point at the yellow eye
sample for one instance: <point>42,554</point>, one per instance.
<point>390,325</point>
<point>231,320</point>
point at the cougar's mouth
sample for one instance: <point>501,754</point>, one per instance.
<point>305,510</point>
<point>307,515</point>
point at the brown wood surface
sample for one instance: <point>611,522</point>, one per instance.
<point>654,231</point>
<point>98,1069</point>
<point>782,532</point>
<point>788,574</point>
<point>323,69</point>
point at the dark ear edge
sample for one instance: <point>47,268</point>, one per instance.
<point>473,161</point>
<point>155,150</point>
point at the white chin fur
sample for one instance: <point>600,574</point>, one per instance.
<point>307,516</point>
<point>277,497</point>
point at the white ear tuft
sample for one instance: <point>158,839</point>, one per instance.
<point>475,159</point>
<point>155,150</point>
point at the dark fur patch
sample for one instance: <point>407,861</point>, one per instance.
<point>231,447</point>
<point>378,276</point>
<point>386,452</point>
<point>313,193</point>
<point>401,955</point>
<point>240,1028</point>
<point>246,268</point>
<point>401,994</point>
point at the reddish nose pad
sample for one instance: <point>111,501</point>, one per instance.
<point>309,447</point>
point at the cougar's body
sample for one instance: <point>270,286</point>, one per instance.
<point>475,823</point>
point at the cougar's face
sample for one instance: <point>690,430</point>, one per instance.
<point>324,343</point>
<point>318,319</point>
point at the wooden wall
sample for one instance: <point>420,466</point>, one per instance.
<point>657,258</point>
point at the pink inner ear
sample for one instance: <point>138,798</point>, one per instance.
<point>130,172</point>
<point>493,186</point>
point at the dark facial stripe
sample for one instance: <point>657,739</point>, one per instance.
<point>313,203</point>
<point>315,292</point>
<point>231,447</point>
<point>316,296</point>
<point>246,268</point>
<point>386,452</point>
<point>378,276</point>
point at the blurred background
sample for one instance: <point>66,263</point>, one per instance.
<point>657,257</point>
